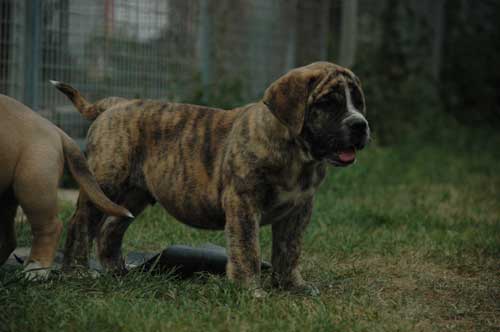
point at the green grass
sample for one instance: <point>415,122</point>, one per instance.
<point>408,239</point>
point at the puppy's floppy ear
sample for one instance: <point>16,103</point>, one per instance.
<point>287,97</point>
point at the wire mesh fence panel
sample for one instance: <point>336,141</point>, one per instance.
<point>121,47</point>
<point>253,42</point>
<point>12,30</point>
<point>220,53</point>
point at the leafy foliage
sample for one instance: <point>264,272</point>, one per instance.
<point>403,95</point>
<point>471,72</point>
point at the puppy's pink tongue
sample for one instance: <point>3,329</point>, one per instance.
<point>347,155</point>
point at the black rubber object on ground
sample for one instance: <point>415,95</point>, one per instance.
<point>185,260</point>
<point>180,260</point>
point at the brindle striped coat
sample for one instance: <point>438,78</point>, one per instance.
<point>210,168</point>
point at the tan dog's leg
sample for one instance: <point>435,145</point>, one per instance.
<point>242,234</point>
<point>46,230</point>
<point>35,187</point>
<point>110,235</point>
<point>287,245</point>
<point>8,208</point>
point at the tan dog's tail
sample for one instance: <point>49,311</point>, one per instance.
<point>80,170</point>
<point>88,110</point>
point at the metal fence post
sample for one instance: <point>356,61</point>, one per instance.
<point>348,33</point>
<point>206,49</point>
<point>291,52</point>
<point>33,54</point>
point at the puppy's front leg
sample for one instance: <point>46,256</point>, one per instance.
<point>242,234</point>
<point>287,246</point>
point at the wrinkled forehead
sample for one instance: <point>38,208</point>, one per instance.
<point>336,79</point>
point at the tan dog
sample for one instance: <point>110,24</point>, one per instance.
<point>32,154</point>
<point>222,169</point>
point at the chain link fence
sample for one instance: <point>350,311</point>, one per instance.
<point>216,52</point>
<point>416,58</point>
<point>13,30</point>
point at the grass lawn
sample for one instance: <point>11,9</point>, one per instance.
<point>408,239</point>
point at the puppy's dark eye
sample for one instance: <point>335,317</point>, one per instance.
<point>323,101</point>
<point>333,98</point>
<point>340,97</point>
<point>357,98</point>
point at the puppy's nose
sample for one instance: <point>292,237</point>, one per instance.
<point>359,132</point>
<point>358,127</point>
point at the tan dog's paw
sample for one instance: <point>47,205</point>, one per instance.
<point>33,271</point>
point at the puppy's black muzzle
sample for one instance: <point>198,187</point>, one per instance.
<point>359,132</point>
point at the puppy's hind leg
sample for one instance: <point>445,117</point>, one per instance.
<point>8,208</point>
<point>81,233</point>
<point>110,235</point>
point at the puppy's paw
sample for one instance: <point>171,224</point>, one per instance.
<point>296,285</point>
<point>306,289</point>
<point>259,293</point>
<point>81,273</point>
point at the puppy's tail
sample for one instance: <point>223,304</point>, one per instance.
<point>80,170</point>
<point>88,110</point>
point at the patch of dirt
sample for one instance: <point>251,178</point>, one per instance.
<point>424,290</point>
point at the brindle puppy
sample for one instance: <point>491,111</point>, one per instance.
<point>236,170</point>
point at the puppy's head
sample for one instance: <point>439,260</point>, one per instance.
<point>324,105</point>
